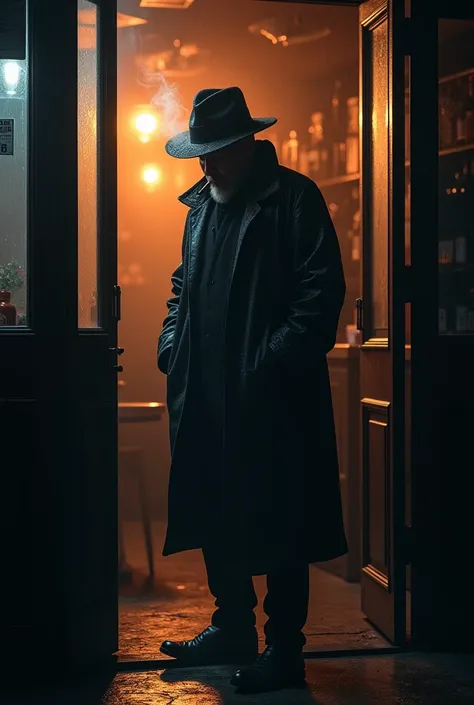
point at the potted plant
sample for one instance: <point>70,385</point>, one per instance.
<point>11,280</point>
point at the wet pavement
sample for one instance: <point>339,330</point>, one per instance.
<point>402,679</point>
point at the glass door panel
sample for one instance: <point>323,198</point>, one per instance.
<point>88,153</point>
<point>13,170</point>
<point>456,177</point>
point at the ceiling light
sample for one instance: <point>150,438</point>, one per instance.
<point>167,4</point>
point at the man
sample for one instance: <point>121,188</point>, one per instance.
<point>254,310</point>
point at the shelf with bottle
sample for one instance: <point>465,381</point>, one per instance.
<point>456,248</point>
<point>453,150</point>
<point>456,112</point>
<point>330,154</point>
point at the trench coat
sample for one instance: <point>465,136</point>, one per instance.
<point>280,490</point>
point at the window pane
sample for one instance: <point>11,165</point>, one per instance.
<point>456,178</point>
<point>13,175</point>
<point>379,152</point>
<point>88,75</point>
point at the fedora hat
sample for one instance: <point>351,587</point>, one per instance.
<point>219,118</point>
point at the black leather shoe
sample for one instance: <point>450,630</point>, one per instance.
<point>213,646</point>
<point>275,669</point>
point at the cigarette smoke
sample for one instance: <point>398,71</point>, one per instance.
<point>167,101</point>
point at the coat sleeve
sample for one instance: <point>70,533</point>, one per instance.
<point>318,291</point>
<point>165,341</point>
<point>166,338</point>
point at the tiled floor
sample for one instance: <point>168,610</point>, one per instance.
<point>179,604</point>
<point>376,680</point>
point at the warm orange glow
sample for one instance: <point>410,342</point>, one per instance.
<point>269,36</point>
<point>145,123</point>
<point>151,175</point>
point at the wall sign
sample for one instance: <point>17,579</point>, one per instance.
<point>6,137</point>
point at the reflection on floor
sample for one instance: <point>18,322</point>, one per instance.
<point>402,679</point>
<point>179,604</point>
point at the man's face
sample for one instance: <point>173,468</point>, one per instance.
<point>226,169</point>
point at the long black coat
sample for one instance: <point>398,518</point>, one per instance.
<point>281,492</point>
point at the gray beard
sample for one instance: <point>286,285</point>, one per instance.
<point>222,195</point>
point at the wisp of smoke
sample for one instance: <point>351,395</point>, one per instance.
<point>166,100</point>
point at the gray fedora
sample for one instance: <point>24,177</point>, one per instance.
<point>219,118</point>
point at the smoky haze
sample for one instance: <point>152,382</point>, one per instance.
<point>167,100</point>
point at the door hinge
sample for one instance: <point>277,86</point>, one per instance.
<point>117,303</point>
<point>359,314</point>
<point>408,549</point>
<point>408,284</point>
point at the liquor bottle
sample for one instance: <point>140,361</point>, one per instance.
<point>470,109</point>
<point>318,152</point>
<point>338,161</point>
<point>303,166</point>
<point>352,139</point>
<point>290,151</point>
<point>446,118</point>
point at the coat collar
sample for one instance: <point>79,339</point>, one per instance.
<point>264,181</point>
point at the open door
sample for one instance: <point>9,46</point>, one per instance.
<point>98,306</point>
<point>381,316</point>
<point>58,395</point>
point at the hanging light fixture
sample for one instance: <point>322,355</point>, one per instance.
<point>167,4</point>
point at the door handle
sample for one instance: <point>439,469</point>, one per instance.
<point>117,303</point>
<point>117,351</point>
<point>359,317</point>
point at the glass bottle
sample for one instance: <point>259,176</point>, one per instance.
<point>338,160</point>
<point>318,152</point>
<point>352,139</point>
<point>446,118</point>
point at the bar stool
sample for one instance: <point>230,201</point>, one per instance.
<point>130,459</point>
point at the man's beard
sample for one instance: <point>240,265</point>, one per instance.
<point>223,195</point>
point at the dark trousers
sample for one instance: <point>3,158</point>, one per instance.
<point>285,604</point>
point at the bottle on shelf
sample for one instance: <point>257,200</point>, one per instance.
<point>352,139</point>
<point>290,151</point>
<point>318,151</point>
<point>303,166</point>
<point>338,160</point>
<point>446,118</point>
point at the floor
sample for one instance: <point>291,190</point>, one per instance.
<point>369,680</point>
<point>178,604</point>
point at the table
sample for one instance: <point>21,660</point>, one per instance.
<point>131,413</point>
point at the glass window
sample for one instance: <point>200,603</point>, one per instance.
<point>379,174</point>
<point>87,99</point>
<point>13,169</point>
<point>456,178</point>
